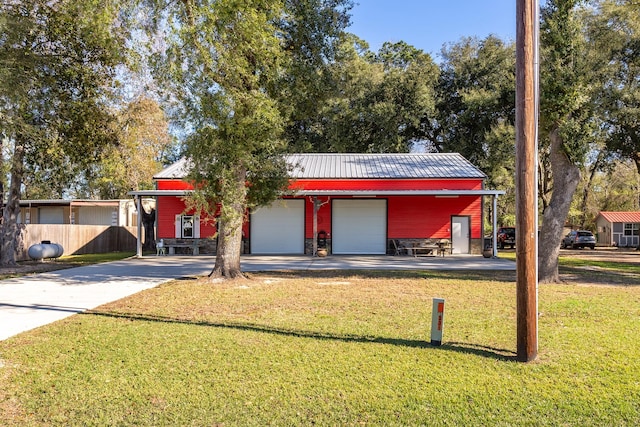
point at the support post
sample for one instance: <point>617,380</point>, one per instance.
<point>526,179</point>
<point>315,225</point>
<point>495,226</point>
<point>139,224</point>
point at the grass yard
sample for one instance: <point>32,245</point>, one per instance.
<point>342,348</point>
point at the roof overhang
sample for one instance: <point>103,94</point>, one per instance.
<point>69,202</point>
<point>372,193</point>
<point>156,193</point>
<point>343,193</point>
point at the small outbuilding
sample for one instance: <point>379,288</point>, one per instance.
<point>121,212</point>
<point>618,229</point>
<point>356,203</point>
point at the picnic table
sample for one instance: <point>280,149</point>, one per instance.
<point>431,249</point>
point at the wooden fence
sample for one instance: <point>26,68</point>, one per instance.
<point>77,239</point>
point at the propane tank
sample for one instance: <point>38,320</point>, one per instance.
<point>45,250</point>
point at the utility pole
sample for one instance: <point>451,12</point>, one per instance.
<point>526,178</point>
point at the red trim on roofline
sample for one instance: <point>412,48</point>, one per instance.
<point>173,184</point>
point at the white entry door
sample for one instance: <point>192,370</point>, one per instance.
<point>460,237</point>
<point>278,228</point>
<point>359,226</point>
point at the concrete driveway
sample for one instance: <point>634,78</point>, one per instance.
<point>32,301</point>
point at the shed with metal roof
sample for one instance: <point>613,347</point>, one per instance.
<point>358,203</point>
<point>618,229</point>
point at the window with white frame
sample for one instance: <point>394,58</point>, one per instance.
<point>187,226</point>
<point>631,229</point>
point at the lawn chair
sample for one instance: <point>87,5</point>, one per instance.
<point>444,246</point>
<point>160,249</point>
<point>398,248</point>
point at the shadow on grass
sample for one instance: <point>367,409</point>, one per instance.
<point>595,275</point>
<point>584,274</point>
<point>465,348</point>
<point>506,276</point>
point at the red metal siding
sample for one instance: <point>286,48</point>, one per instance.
<point>173,184</point>
<point>408,216</point>
<point>412,216</point>
<point>167,209</point>
<point>324,216</point>
<point>207,228</point>
<point>387,184</point>
<point>430,216</point>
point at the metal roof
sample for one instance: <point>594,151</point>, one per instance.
<point>621,216</point>
<point>71,202</point>
<point>177,170</point>
<point>365,166</point>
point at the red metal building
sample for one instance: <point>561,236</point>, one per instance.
<point>359,202</point>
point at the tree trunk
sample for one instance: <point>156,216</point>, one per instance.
<point>587,188</point>
<point>10,228</point>
<point>566,176</point>
<point>545,185</point>
<point>636,160</point>
<point>148,220</point>
<point>230,222</point>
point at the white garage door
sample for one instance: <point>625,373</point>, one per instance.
<point>359,227</point>
<point>278,228</point>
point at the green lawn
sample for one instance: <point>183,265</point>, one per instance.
<point>331,349</point>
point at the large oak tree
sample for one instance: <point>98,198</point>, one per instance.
<point>225,63</point>
<point>57,61</point>
<point>567,118</point>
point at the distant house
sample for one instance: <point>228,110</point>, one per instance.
<point>82,212</point>
<point>618,229</point>
<point>361,204</point>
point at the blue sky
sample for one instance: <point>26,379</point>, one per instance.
<point>428,24</point>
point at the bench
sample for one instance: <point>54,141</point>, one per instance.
<point>193,244</point>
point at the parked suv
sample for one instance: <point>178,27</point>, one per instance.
<point>579,239</point>
<point>506,236</point>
